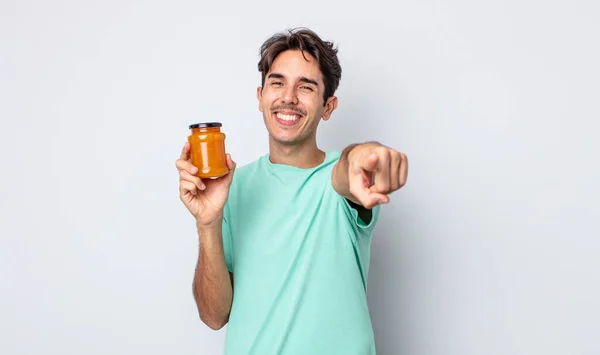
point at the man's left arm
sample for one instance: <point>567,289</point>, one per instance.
<point>367,173</point>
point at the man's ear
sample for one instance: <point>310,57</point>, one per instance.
<point>330,106</point>
<point>259,97</point>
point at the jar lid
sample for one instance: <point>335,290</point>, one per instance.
<point>206,125</point>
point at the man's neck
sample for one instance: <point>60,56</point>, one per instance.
<point>306,155</point>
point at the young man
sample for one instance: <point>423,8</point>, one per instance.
<point>289,234</point>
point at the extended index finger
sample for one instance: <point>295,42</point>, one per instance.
<point>185,152</point>
<point>361,192</point>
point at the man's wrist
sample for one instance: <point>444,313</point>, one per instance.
<point>209,228</point>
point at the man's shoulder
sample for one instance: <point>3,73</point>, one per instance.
<point>333,154</point>
<point>332,157</point>
<point>247,170</point>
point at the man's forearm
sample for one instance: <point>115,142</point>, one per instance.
<point>340,177</point>
<point>212,283</point>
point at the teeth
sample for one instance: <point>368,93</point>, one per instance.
<point>287,117</point>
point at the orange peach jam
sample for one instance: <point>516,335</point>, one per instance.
<point>208,150</point>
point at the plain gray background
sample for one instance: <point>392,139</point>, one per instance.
<point>491,248</point>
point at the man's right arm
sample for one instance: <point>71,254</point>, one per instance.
<point>213,283</point>
<point>212,286</point>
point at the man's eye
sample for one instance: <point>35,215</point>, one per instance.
<point>306,88</point>
<point>277,83</point>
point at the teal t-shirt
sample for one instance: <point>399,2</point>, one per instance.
<point>299,254</point>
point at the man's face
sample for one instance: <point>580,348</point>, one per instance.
<point>292,98</point>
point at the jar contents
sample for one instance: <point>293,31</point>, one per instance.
<point>207,150</point>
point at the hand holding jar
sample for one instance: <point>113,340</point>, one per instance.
<point>205,173</point>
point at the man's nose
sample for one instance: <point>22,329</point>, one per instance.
<point>289,95</point>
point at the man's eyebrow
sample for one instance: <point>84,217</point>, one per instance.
<point>302,79</point>
<point>309,81</point>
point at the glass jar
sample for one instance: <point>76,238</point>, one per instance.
<point>207,150</point>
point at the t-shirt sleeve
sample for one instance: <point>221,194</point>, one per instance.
<point>360,227</point>
<point>227,241</point>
